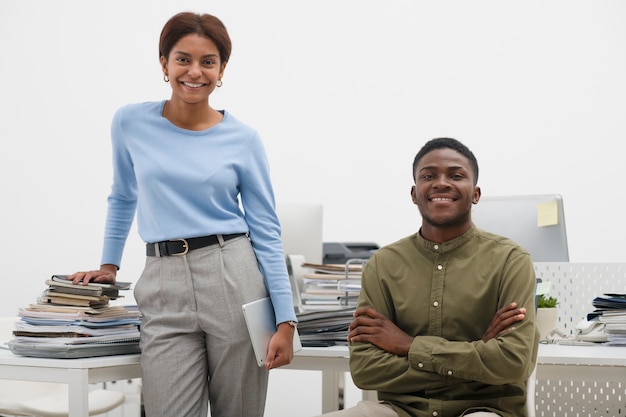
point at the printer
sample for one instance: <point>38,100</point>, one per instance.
<point>340,253</point>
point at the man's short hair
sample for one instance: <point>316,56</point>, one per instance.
<point>447,143</point>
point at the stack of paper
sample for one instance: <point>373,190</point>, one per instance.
<point>611,310</point>
<point>331,285</point>
<point>325,328</point>
<point>76,320</point>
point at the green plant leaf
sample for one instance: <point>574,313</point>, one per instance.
<point>547,302</point>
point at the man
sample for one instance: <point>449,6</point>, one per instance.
<point>433,327</point>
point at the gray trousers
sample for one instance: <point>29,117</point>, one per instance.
<point>376,409</point>
<point>195,346</point>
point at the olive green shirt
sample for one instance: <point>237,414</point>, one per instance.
<point>446,296</point>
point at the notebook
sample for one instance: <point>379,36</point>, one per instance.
<point>261,322</point>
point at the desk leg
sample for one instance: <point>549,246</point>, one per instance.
<point>331,390</point>
<point>78,387</point>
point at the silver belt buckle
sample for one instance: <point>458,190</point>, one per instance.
<point>185,245</point>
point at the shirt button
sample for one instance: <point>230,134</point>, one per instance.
<point>436,247</point>
<point>436,303</point>
<point>420,365</point>
<point>449,372</point>
<point>440,267</point>
<point>435,413</point>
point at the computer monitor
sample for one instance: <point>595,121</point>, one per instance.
<point>536,222</point>
<point>302,229</point>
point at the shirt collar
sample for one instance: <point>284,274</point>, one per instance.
<point>446,246</point>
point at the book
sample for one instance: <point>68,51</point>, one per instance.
<point>67,301</point>
<point>119,285</point>
<point>51,311</point>
<point>70,288</point>
<point>62,284</point>
<point>54,293</point>
<point>610,301</point>
<point>78,328</point>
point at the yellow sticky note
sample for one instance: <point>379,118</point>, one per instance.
<point>547,214</point>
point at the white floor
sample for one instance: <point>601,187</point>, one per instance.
<point>291,393</point>
<point>296,393</point>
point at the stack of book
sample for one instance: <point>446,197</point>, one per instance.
<point>76,320</point>
<point>329,286</point>
<point>611,311</point>
<point>62,291</point>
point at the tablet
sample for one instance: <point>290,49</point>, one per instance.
<point>261,322</point>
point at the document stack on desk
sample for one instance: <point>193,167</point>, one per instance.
<point>75,320</point>
<point>611,311</point>
<point>325,328</point>
<point>329,286</point>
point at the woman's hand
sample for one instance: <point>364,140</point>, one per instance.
<point>280,351</point>
<point>106,275</point>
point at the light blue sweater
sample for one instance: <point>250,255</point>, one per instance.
<point>184,183</point>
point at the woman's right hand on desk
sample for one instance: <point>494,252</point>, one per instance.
<point>106,275</point>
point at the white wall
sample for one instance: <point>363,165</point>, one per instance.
<point>344,94</point>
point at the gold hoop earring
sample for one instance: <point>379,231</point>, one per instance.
<point>166,78</point>
<point>219,83</point>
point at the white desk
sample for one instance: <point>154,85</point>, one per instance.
<point>560,361</point>
<point>582,363</point>
<point>334,363</point>
<point>597,355</point>
<point>77,373</point>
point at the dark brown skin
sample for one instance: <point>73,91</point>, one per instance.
<point>445,190</point>
<point>372,327</point>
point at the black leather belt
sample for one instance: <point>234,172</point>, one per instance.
<point>179,247</point>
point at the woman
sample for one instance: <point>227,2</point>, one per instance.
<point>185,169</point>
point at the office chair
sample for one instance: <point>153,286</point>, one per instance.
<point>530,393</point>
<point>46,399</point>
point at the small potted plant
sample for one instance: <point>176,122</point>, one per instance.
<point>547,315</point>
<point>545,301</point>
